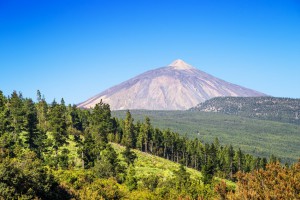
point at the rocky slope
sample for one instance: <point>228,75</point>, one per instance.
<point>178,86</point>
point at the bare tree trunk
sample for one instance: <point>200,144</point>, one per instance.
<point>146,146</point>
<point>231,169</point>
<point>151,146</point>
<point>195,162</point>
<point>186,160</point>
<point>172,158</point>
<point>82,159</point>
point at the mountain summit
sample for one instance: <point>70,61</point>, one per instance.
<point>180,65</point>
<point>178,86</point>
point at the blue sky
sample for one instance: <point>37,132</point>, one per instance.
<point>76,49</point>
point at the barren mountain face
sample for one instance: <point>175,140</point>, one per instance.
<point>178,86</point>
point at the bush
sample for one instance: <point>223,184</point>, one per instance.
<point>24,177</point>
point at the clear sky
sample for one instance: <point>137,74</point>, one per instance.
<point>76,49</point>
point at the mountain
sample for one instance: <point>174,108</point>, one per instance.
<point>178,86</point>
<point>267,108</point>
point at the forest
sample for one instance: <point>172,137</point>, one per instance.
<point>267,108</point>
<point>57,151</point>
<point>261,138</point>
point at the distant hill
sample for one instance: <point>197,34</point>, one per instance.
<point>267,108</point>
<point>257,137</point>
<point>178,86</point>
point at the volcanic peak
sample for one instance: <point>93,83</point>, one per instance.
<point>180,65</point>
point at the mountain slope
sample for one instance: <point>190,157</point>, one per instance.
<point>178,86</point>
<point>268,108</point>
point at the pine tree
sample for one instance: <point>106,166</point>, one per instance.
<point>239,159</point>
<point>207,169</point>
<point>88,151</point>
<point>167,143</point>
<point>230,155</point>
<point>30,124</point>
<point>108,165</point>
<point>74,123</point>
<point>129,138</point>
<point>140,139</point>
<point>131,180</point>
<point>16,111</point>
<point>58,126</point>
<point>101,124</point>
<point>146,132</point>
<point>42,110</point>
<point>129,156</point>
<point>157,141</point>
<point>3,114</point>
<point>182,178</point>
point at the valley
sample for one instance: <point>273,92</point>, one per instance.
<point>256,137</point>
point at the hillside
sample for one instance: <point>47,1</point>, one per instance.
<point>267,108</point>
<point>177,86</point>
<point>257,137</point>
<point>62,152</point>
<point>147,165</point>
<point>151,165</point>
<point>154,177</point>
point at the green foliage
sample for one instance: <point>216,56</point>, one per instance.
<point>207,174</point>
<point>31,121</point>
<point>102,189</point>
<point>149,182</point>
<point>159,178</point>
<point>108,165</point>
<point>182,178</point>
<point>131,180</point>
<point>63,159</point>
<point>129,138</point>
<point>150,165</point>
<point>7,144</point>
<point>129,156</point>
<point>16,113</point>
<point>24,177</point>
<point>256,137</point>
<point>88,151</point>
<point>100,124</point>
<point>4,122</point>
<point>39,142</point>
<point>42,113</point>
<point>58,126</point>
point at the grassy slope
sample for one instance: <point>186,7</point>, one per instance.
<point>147,165</point>
<point>257,137</point>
